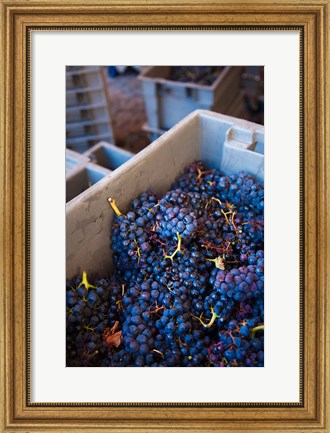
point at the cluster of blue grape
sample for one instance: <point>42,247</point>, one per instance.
<point>90,311</point>
<point>238,346</point>
<point>204,75</point>
<point>188,283</point>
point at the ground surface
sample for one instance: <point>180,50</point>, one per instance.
<point>128,112</point>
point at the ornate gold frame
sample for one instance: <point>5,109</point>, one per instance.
<point>17,414</point>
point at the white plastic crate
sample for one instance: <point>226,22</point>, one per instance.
<point>85,112</point>
<point>107,155</point>
<point>122,69</point>
<point>222,142</point>
<point>167,102</point>
<point>85,95</point>
<point>85,76</point>
<point>82,178</point>
<point>74,160</point>
<point>88,127</point>
<point>82,143</point>
<point>153,133</point>
<point>87,107</point>
<point>235,109</point>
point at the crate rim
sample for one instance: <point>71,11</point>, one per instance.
<point>178,84</point>
<point>137,158</point>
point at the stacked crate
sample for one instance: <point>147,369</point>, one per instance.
<point>84,170</point>
<point>87,107</point>
<point>73,160</point>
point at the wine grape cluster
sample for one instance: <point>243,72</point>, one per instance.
<point>188,282</point>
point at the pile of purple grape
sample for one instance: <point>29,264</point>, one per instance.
<point>188,284</point>
<point>203,75</point>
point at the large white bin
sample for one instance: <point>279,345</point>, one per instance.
<point>167,101</point>
<point>82,178</point>
<point>222,142</point>
<point>73,160</point>
<point>107,155</point>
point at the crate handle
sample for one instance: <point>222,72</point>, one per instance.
<point>192,93</point>
<point>165,90</point>
<point>241,138</point>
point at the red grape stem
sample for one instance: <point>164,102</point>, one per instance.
<point>155,310</point>
<point>153,228</point>
<point>201,173</point>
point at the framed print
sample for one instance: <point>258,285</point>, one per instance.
<point>196,283</point>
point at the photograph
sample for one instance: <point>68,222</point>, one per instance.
<point>173,274</point>
<point>164,196</point>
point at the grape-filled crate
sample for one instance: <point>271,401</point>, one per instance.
<point>187,287</point>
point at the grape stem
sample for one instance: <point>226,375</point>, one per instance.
<point>155,310</point>
<point>218,261</point>
<point>84,282</point>
<point>119,304</point>
<point>216,199</point>
<point>137,251</point>
<point>112,203</point>
<point>225,215</point>
<point>200,173</point>
<point>230,206</point>
<point>159,352</point>
<point>153,228</point>
<point>178,248</point>
<point>208,325</point>
<point>232,221</point>
<point>255,329</point>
